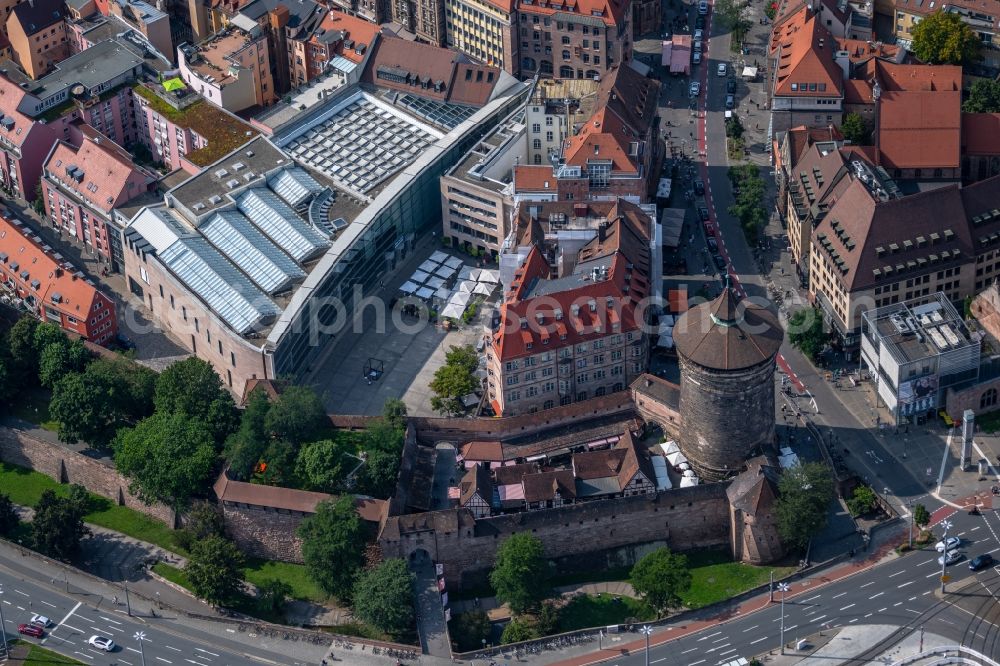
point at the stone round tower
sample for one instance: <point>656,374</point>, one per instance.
<point>727,351</point>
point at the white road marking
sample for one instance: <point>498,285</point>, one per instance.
<point>726,652</point>
<point>717,648</point>
<point>932,575</point>
<point>21,608</point>
<point>926,593</point>
<point>811,598</point>
<point>48,604</point>
<point>911,598</point>
<point>70,626</point>
<point>705,638</point>
<point>68,615</point>
<point>23,594</point>
<point>839,595</point>
<point>170,647</point>
<point>909,582</point>
<point>817,619</point>
<point>852,620</point>
<point>719,640</point>
<point>882,610</point>
<point>791,627</point>
<point>758,640</point>
<point>695,663</point>
<point>869,614</point>
<point>913,611</point>
<point>84,617</point>
<point>133,650</point>
<point>876,596</point>
<point>167,661</point>
<point>898,603</point>
<point>744,631</point>
<point>110,620</point>
<point>897,573</point>
<point>197,649</point>
<point>848,606</point>
<point>975,528</point>
<point>83,655</point>
<point>867,584</point>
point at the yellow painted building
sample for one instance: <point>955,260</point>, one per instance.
<point>483,31</point>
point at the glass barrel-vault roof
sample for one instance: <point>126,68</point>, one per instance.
<point>232,234</point>
<point>281,224</point>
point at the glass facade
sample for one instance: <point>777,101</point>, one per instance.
<point>377,252</point>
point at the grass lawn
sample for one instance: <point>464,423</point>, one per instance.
<point>32,405</point>
<point>296,575</point>
<point>715,577</point>
<point>600,610</point>
<point>173,574</point>
<point>39,656</point>
<point>358,630</point>
<point>602,576</point>
<point>25,487</point>
<point>989,422</point>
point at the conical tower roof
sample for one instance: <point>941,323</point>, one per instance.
<point>728,334</point>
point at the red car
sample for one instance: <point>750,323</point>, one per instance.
<point>30,630</point>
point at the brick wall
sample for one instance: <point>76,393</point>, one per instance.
<point>67,466</point>
<point>684,519</point>
<point>266,534</point>
<point>956,402</point>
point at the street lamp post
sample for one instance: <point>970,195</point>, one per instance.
<point>909,505</point>
<point>646,630</point>
<point>782,587</point>
<point>141,636</point>
<point>945,525</point>
<point>3,628</point>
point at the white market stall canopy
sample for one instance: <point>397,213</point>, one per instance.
<point>749,72</point>
<point>419,277</point>
<point>670,446</point>
<point>676,458</point>
<point>452,262</point>
<point>663,188</point>
<point>460,298</point>
<point>466,287</point>
<point>425,292</point>
<point>444,293</point>
<point>445,271</point>
<point>483,288</point>
<point>439,257</point>
<point>408,287</point>
<point>435,283</point>
<point>453,311</point>
<point>488,275</point>
<point>672,221</point>
<point>429,266</point>
<point>660,470</point>
<point>465,273</point>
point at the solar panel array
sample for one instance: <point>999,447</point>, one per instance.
<point>360,146</point>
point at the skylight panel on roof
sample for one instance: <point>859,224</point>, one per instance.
<point>270,268</point>
<point>281,224</point>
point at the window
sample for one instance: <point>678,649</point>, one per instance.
<point>565,39</point>
<point>565,56</point>
<point>988,399</point>
<point>232,358</point>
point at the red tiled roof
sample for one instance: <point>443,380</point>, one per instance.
<point>356,29</point>
<point>989,8</point>
<point>304,501</point>
<point>567,316</point>
<point>920,129</point>
<point>430,71</point>
<point>107,171</point>
<point>805,50</point>
<point>534,178</point>
<point>859,50</point>
<point>611,12</point>
<point>981,133</point>
<point>11,96</point>
<point>621,462</point>
<point>75,296</point>
<point>477,450</point>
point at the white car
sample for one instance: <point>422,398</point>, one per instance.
<point>697,46</point>
<point>702,7</point>
<point>40,621</point>
<point>696,57</point>
<point>695,89</point>
<point>699,34</point>
<point>952,557</point>
<point>102,643</point>
<point>953,542</point>
<point>721,71</point>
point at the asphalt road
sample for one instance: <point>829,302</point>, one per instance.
<point>75,621</point>
<point>901,593</point>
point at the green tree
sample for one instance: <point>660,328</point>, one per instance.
<point>59,359</point>
<point>378,476</point>
<point>279,467</point>
<point>383,435</point>
<point>921,516</point>
<point>93,405</point>
<point>805,492</point>
<point>298,416</point>
<point>454,379</point>
<point>731,14</point>
<point>943,38</point>
<point>984,97</point>
<point>734,128</point>
<point>521,573</point>
<point>200,522</point>
<point>7,384</point>
<point>468,630</point>
<point>321,465</point>
<point>272,595</point>
<point>9,519</point>
<point>57,528</point>
<point>661,577</point>
<point>192,388</point>
<point>394,411</point>
<point>215,570</point>
<point>333,543</point>
<point>383,597</point>
<point>167,458</point>
<point>855,129</point>
<point>519,629</point>
<point>862,501</point>
<point>805,331</point>
<point>81,498</point>
<point>21,347</point>
<point>245,447</point>
<point>47,334</point>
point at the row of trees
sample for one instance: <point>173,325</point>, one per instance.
<point>455,379</point>
<point>749,208</point>
<point>57,526</point>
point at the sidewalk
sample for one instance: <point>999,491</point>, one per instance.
<point>497,611</point>
<point>878,553</point>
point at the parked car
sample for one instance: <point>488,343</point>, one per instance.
<point>731,87</point>
<point>702,7</point>
<point>102,643</point>
<point>713,245</point>
<point>699,187</point>
<point>699,33</point>
<point>699,22</point>
<point>697,46</point>
<point>952,542</point>
<point>721,69</point>
<point>703,214</point>
<point>730,101</point>
<point>40,621</point>
<point>694,89</point>
<point>981,562</point>
<point>709,229</point>
<point>30,630</point>
<point>720,263</point>
<point>696,57</point>
<point>952,557</point>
